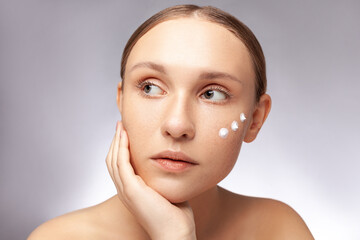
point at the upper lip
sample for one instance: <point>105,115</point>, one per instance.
<point>177,156</point>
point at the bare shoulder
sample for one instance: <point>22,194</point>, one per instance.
<point>80,224</point>
<point>279,220</point>
<point>264,218</point>
<point>68,226</point>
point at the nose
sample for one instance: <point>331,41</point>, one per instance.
<point>178,123</point>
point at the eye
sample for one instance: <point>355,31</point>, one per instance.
<point>150,89</point>
<point>215,94</point>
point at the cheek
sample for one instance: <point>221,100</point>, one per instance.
<point>226,150</point>
<point>140,122</point>
<point>224,132</point>
<point>222,153</point>
<point>139,117</point>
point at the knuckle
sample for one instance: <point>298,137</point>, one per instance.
<point>107,160</point>
<point>118,164</point>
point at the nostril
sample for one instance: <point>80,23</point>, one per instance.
<point>178,121</point>
<point>179,131</point>
<point>176,135</point>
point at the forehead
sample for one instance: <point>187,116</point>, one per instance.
<point>192,43</point>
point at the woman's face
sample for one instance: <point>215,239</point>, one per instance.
<point>186,79</point>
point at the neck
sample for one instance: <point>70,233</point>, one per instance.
<point>206,210</point>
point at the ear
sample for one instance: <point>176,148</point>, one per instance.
<point>119,96</point>
<point>259,116</point>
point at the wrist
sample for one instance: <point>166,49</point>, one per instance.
<point>188,235</point>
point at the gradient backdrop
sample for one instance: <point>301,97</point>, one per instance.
<point>59,66</point>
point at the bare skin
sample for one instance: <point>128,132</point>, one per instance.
<point>167,103</point>
<point>235,217</point>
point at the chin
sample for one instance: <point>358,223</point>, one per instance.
<point>173,190</point>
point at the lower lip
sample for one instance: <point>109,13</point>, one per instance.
<point>173,166</point>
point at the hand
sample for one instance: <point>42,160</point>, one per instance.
<point>160,218</point>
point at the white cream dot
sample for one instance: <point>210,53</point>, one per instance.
<point>234,126</point>
<point>242,117</point>
<point>223,132</point>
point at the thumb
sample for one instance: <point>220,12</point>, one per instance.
<point>185,207</point>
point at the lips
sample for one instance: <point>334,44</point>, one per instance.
<point>175,156</point>
<point>173,161</point>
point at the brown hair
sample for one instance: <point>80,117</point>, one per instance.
<point>214,15</point>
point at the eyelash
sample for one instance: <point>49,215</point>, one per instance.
<point>140,84</point>
<point>222,90</point>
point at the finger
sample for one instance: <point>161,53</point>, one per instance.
<point>116,159</point>
<point>116,148</point>
<point>109,158</point>
<point>126,171</point>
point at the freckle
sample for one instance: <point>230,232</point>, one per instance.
<point>242,117</point>
<point>223,132</point>
<point>234,126</point>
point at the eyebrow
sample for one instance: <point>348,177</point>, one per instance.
<point>217,75</point>
<point>151,65</point>
<point>204,75</point>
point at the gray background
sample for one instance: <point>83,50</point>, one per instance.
<point>59,66</point>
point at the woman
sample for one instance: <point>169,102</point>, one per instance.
<point>193,90</point>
